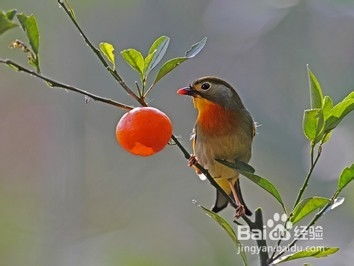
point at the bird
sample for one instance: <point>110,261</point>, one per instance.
<point>224,129</point>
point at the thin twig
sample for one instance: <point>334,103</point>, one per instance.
<point>313,164</point>
<point>138,88</point>
<point>54,83</point>
<point>114,73</point>
<point>312,153</point>
<point>313,221</point>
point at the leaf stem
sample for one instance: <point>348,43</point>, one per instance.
<point>54,83</point>
<point>148,90</point>
<point>143,84</point>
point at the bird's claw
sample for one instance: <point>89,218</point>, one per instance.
<point>240,211</point>
<point>192,161</point>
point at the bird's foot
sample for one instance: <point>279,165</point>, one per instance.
<point>192,161</point>
<point>240,211</point>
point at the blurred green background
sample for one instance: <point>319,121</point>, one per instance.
<point>69,195</point>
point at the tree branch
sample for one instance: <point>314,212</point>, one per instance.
<point>54,83</point>
<point>114,73</point>
<point>261,243</point>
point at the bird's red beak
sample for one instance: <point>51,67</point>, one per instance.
<point>186,91</point>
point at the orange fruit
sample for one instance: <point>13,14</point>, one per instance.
<point>144,131</point>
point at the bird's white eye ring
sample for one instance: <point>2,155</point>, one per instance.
<point>205,86</point>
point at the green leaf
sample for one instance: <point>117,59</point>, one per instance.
<point>168,67</point>
<point>320,125</point>
<point>315,90</point>
<point>156,53</point>
<point>196,48</point>
<point>228,229</point>
<point>108,50</point>
<point>135,59</point>
<point>345,178</point>
<point>11,14</point>
<point>6,23</point>
<point>266,185</point>
<point>173,63</point>
<point>338,112</point>
<point>306,206</point>
<point>29,25</point>
<point>327,105</point>
<point>260,181</point>
<point>239,165</point>
<point>350,96</point>
<point>319,252</point>
<point>147,63</point>
<point>313,124</point>
<point>326,108</point>
<point>336,203</point>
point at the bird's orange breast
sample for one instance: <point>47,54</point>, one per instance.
<point>214,119</point>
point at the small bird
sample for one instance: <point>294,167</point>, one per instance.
<point>224,129</point>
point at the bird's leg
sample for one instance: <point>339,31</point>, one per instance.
<point>240,210</point>
<point>192,161</point>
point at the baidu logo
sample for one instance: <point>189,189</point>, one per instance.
<point>280,227</point>
<point>275,229</point>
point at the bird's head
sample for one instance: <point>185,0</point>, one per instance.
<point>212,90</point>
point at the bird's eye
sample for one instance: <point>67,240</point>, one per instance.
<point>205,86</point>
